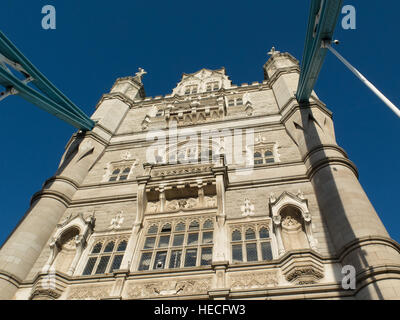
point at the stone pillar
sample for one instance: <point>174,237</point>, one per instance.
<point>357,233</point>
<point>128,261</point>
<point>221,245</point>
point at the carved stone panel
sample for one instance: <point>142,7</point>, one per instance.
<point>153,289</point>
<point>95,292</point>
<point>253,280</point>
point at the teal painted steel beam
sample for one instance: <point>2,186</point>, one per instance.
<point>322,21</point>
<point>54,95</point>
<point>7,79</point>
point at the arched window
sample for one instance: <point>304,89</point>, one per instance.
<point>120,174</point>
<point>114,175</point>
<point>153,229</point>
<point>178,248</point>
<point>258,158</point>
<point>105,260</point>
<point>251,246</point>
<point>125,174</point>
<point>264,157</point>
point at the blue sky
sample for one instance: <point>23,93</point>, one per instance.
<point>97,41</point>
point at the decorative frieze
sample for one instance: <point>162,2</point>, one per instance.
<point>253,280</point>
<point>154,289</point>
<point>94,292</point>
<point>181,205</point>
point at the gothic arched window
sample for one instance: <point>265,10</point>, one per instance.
<point>120,174</point>
<point>251,245</point>
<point>102,260</point>
<point>264,157</point>
<point>178,247</point>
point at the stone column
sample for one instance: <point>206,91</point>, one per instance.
<point>221,246</point>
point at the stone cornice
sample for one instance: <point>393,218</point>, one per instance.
<point>331,161</point>
<point>64,179</point>
<point>281,71</point>
<point>15,281</point>
<point>364,241</point>
<point>324,147</point>
<point>281,54</point>
<point>295,106</point>
<point>51,194</point>
<point>116,95</point>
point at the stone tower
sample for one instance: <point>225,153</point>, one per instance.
<point>214,191</point>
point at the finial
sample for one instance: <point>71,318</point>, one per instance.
<point>273,52</point>
<point>141,73</point>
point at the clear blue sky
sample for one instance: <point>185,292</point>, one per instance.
<point>97,41</point>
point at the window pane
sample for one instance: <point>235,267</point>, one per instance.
<point>113,178</point>
<point>122,246</point>
<point>166,228</point>
<point>237,254</point>
<point>192,238</point>
<point>270,160</point>
<point>145,261</point>
<point>251,250</point>
<point>194,225</point>
<point>175,259</point>
<point>150,242</point>
<point>116,172</point>
<point>101,267</point>
<point>89,266</point>
<point>257,155</point>
<point>159,262</point>
<point>123,177</point>
<point>258,161</point>
<point>208,224</point>
<point>163,242</point>
<point>250,234</point>
<point>116,262</point>
<point>180,226</point>
<point>190,258</point>
<point>97,247</point>
<point>239,102</point>
<point>268,154</point>
<point>264,234</point>
<point>109,247</point>
<point>178,240</point>
<point>153,229</point>
<point>266,251</point>
<point>236,235</point>
<point>206,256</point>
<point>231,103</point>
<point>207,237</point>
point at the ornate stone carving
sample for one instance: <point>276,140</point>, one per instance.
<point>181,204</point>
<point>126,155</point>
<point>289,221</point>
<point>304,275</point>
<point>95,292</point>
<point>117,221</point>
<point>78,224</point>
<point>45,294</point>
<point>174,171</point>
<point>168,288</point>
<point>247,209</point>
<point>253,280</point>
